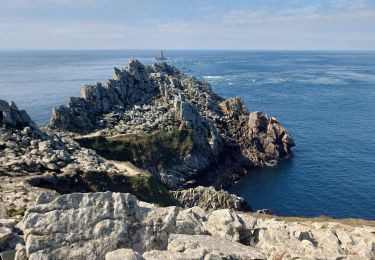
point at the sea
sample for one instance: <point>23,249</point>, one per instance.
<point>326,100</point>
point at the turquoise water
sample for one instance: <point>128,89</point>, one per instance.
<point>325,99</point>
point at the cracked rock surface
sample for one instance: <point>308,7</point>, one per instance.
<point>91,225</point>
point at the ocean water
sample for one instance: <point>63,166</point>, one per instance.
<point>325,99</point>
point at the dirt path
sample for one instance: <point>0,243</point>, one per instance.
<point>130,168</point>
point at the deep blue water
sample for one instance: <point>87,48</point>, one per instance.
<point>325,99</point>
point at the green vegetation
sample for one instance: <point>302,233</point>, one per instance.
<point>144,186</point>
<point>13,212</point>
<point>158,150</point>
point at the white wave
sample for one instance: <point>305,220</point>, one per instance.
<point>213,77</point>
<point>271,163</point>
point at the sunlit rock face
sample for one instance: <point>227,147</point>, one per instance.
<point>143,100</point>
<point>116,225</point>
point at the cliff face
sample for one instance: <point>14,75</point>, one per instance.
<point>221,136</point>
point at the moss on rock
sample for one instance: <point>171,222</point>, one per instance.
<point>159,150</point>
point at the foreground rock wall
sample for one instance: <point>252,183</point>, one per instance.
<point>90,226</point>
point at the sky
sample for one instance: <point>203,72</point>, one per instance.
<point>188,24</point>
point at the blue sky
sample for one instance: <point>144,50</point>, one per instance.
<point>188,24</point>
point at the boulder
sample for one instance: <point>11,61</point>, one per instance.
<point>88,226</point>
<point>234,107</point>
<point>224,223</point>
<point>123,254</point>
<point>8,255</point>
<point>4,106</point>
<point>5,235</point>
<point>3,211</point>
<point>208,198</point>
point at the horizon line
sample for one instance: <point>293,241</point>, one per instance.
<point>172,49</point>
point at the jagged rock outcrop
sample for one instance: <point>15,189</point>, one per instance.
<point>142,100</point>
<point>111,225</point>
<point>28,153</point>
<point>10,115</point>
<point>128,87</point>
<point>208,198</point>
<point>24,148</point>
<point>33,161</point>
<point>262,138</point>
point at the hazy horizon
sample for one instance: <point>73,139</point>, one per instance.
<point>337,25</point>
<point>203,50</point>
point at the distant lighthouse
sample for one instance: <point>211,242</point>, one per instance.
<point>161,57</point>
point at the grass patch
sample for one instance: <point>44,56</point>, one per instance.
<point>159,150</point>
<point>144,186</point>
<point>12,212</point>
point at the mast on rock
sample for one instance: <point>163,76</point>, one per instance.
<point>161,57</point>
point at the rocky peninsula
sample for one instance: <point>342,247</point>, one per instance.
<point>133,169</point>
<point>172,125</point>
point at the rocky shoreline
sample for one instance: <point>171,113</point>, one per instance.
<point>68,189</point>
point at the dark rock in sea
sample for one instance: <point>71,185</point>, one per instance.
<point>264,211</point>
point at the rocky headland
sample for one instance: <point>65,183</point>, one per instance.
<point>132,169</point>
<point>172,125</point>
